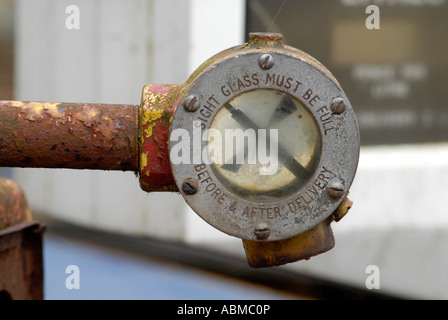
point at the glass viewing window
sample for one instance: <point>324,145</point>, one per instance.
<point>264,145</point>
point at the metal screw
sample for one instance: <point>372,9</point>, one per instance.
<point>262,230</point>
<point>189,187</point>
<point>191,103</point>
<point>337,105</point>
<point>266,61</point>
<point>335,188</point>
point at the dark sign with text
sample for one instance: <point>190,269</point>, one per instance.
<point>390,57</point>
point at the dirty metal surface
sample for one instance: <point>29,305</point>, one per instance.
<point>68,135</point>
<point>21,264</point>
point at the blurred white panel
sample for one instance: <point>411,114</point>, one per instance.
<point>216,25</point>
<point>171,32</point>
<point>120,46</point>
<point>108,60</point>
<point>399,187</point>
<point>199,232</point>
<point>165,216</point>
<point>52,62</point>
<point>123,54</point>
<point>51,192</point>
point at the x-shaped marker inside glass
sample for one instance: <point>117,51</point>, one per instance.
<point>285,108</point>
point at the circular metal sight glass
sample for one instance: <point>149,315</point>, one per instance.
<point>264,145</point>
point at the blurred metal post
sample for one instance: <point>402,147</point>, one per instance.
<point>21,264</point>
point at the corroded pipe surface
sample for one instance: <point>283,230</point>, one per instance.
<point>68,135</point>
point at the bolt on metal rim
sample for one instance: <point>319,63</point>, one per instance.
<point>266,61</point>
<point>191,103</point>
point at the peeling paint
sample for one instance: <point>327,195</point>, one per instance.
<point>152,115</point>
<point>88,116</point>
<point>149,129</point>
<point>68,135</point>
<point>33,111</point>
<point>143,159</point>
<point>156,112</point>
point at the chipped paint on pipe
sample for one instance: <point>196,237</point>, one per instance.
<point>68,135</point>
<point>159,101</point>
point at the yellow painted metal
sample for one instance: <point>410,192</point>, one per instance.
<point>261,254</point>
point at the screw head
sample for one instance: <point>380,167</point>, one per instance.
<point>189,186</point>
<point>337,106</point>
<point>191,103</point>
<point>266,61</point>
<point>335,189</point>
<point>262,230</point>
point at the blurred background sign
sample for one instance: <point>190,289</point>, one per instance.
<point>395,76</point>
<point>6,48</point>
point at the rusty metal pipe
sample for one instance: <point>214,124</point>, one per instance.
<point>68,135</point>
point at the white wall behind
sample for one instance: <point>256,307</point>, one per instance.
<point>119,47</point>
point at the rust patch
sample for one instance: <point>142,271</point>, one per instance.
<point>68,135</point>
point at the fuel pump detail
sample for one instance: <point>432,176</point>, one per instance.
<point>269,96</point>
<point>261,141</point>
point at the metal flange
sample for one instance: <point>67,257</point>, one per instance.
<point>318,141</point>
